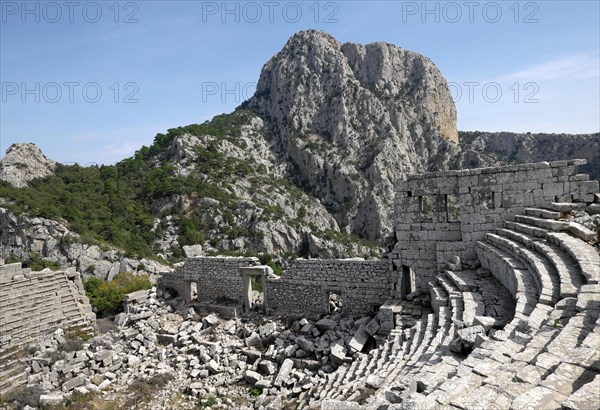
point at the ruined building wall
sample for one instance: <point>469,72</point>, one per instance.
<point>306,284</point>
<point>217,278</point>
<point>303,287</point>
<point>441,214</point>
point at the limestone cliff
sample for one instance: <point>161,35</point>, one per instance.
<point>349,120</point>
<point>24,162</point>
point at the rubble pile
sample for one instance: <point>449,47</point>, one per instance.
<point>251,362</point>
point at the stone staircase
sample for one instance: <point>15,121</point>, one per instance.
<point>542,349</point>
<point>33,304</point>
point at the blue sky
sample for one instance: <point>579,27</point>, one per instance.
<point>92,81</point>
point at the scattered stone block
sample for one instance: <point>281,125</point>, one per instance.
<point>359,339</point>
<point>284,372</point>
<point>326,324</point>
<point>252,377</point>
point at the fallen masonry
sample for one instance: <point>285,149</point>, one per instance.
<point>489,299</point>
<point>199,356</point>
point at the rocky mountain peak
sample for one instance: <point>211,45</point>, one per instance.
<point>24,162</point>
<point>351,120</point>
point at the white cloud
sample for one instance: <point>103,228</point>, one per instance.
<point>575,67</point>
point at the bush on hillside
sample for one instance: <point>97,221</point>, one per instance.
<point>106,297</point>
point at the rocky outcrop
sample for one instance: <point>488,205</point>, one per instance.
<point>24,162</point>
<point>350,120</point>
<point>275,217</point>
<point>481,149</point>
<point>21,236</point>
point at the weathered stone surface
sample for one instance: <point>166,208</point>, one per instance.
<point>359,340</point>
<point>330,404</point>
<point>51,399</point>
<point>284,372</point>
<point>326,324</point>
<point>24,162</point>
<point>74,382</point>
<point>252,377</point>
<point>305,344</point>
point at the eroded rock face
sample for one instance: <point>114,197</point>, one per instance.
<point>21,235</point>
<point>352,119</point>
<point>24,162</point>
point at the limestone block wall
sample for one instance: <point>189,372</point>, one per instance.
<point>33,304</point>
<point>305,286</point>
<point>172,282</point>
<point>217,278</point>
<point>441,214</point>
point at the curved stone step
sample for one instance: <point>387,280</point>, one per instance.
<point>511,273</point>
<point>427,349</point>
<point>439,297</point>
<point>454,296</point>
<point>547,224</point>
<point>526,229</point>
<point>586,256</point>
<point>543,213</point>
<point>566,206</point>
<point>583,397</point>
<point>576,229</point>
<point>546,276</point>
<point>570,276</point>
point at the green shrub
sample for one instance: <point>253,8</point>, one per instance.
<point>106,297</point>
<point>12,258</point>
<point>267,259</point>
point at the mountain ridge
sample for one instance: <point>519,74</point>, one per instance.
<point>306,167</point>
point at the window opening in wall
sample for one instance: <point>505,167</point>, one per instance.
<point>426,208</point>
<point>452,209</point>
<point>409,194</point>
<point>193,290</point>
<point>486,200</point>
<point>334,302</point>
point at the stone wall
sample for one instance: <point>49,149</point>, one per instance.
<point>441,214</point>
<point>306,284</point>
<point>35,304</point>
<point>217,278</point>
<point>303,287</point>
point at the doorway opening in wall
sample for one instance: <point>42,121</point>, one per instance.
<point>193,291</point>
<point>407,281</point>
<point>258,293</point>
<point>334,302</point>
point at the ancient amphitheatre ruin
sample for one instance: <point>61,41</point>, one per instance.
<point>489,300</point>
